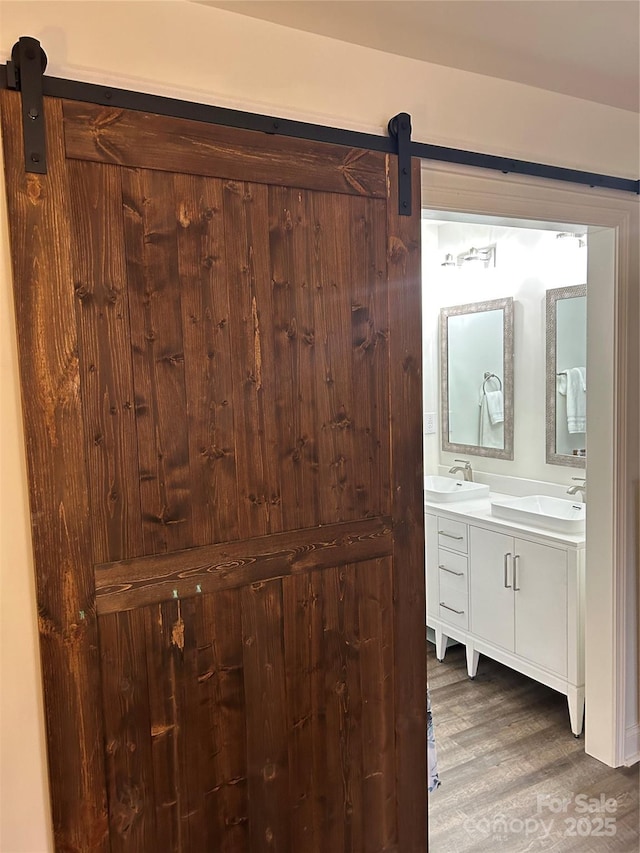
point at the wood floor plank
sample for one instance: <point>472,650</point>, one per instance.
<point>507,757</point>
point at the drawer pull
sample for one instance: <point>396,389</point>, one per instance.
<point>453,610</point>
<point>516,588</point>
<point>506,570</point>
<point>451,572</point>
<point>450,535</point>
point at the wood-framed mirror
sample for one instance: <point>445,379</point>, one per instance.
<point>476,378</point>
<point>566,377</point>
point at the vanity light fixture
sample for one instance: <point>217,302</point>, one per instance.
<point>485,254</point>
<point>581,238</point>
<point>449,260</point>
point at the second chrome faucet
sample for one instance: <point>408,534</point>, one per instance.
<point>582,488</point>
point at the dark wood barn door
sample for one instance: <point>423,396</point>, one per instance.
<point>219,337</point>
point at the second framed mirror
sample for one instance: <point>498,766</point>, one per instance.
<point>566,345</point>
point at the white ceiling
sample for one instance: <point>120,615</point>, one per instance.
<point>586,48</point>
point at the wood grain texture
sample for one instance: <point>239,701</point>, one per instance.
<point>128,738</point>
<point>374,583</point>
<point>139,582</point>
<point>332,305</point>
<point>222,405</point>
<point>302,636</point>
<point>167,635</point>
<point>102,311</point>
<point>246,209</point>
<point>206,331</point>
<point>158,360</point>
<point>293,332</point>
<point>505,751</point>
<point>370,355</point>
<point>258,718</point>
<point>222,704</point>
<point>45,317</point>
<point>339,670</point>
<point>343,708</point>
<point>267,753</point>
<point>405,347</point>
<point>148,141</point>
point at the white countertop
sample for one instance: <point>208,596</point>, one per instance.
<point>478,511</point>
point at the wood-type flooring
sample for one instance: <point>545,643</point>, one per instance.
<point>513,777</point>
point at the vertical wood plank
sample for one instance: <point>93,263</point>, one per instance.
<point>332,309</point>
<point>403,264</point>
<point>45,317</point>
<point>123,660</point>
<point>302,635</point>
<point>374,585</point>
<point>181,726</point>
<point>208,358</point>
<point>190,778</point>
<point>294,353</point>
<point>165,638</point>
<point>343,710</point>
<point>370,356</point>
<point>267,755</point>
<point>102,309</point>
<point>246,213</point>
<point>222,723</point>
<point>158,360</point>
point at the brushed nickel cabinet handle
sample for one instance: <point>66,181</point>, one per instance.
<point>515,571</point>
<point>446,606</point>
<point>451,572</point>
<point>450,535</point>
<point>506,570</point>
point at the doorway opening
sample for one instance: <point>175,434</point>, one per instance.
<point>508,320</point>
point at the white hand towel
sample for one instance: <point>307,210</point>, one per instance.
<point>490,436</point>
<point>573,383</point>
<point>495,406</point>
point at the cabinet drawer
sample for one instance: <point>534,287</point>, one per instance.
<point>452,534</point>
<point>453,604</point>
<point>452,569</point>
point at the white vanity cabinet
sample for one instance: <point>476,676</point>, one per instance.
<point>513,595</point>
<point>519,595</point>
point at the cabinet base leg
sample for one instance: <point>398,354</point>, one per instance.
<point>441,644</point>
<point>472,661</point>
<point>575,700</point>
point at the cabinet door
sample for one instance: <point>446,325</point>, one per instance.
<point>541,605</point>
<point>491,601</point>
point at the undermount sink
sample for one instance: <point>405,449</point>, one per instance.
<point>541,511</point>
<point>446,490</point>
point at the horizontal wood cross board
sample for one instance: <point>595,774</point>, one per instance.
<point>219,336</point>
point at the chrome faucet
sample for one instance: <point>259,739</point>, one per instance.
<point>465,468</point>
<point>572,490</point>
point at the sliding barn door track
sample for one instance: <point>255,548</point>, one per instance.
<point>25,72</point>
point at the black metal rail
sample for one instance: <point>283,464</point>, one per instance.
<point>57,87</point>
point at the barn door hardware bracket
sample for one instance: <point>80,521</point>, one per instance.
<point>400,130</point>
<point>24,73</point>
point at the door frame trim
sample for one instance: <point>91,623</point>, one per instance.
<point>468,192</point>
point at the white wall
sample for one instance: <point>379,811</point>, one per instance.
<point>197,53</point>
<point>528,263</point>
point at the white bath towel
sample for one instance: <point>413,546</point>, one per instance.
<point>573,384</point>
<point>495,406</point>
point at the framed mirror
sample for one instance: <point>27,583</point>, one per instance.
<point>566,391</point>
<point>476,376</point>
